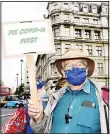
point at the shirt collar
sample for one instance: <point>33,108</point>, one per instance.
<point>86,87</point>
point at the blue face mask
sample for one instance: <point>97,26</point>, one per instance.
<point>76,76</point>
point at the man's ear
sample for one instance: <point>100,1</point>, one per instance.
<point>87,71</point>
<point>62,71</point>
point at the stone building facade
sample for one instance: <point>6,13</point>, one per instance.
<point>81,25</point>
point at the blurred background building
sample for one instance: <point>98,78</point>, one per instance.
<point>82,25</point>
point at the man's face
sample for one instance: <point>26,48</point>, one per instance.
<point>69,64</point>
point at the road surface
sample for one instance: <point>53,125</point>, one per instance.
<point>5,114</point>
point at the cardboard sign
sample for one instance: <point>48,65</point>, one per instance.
<point>24,38</point>
<point>19,38</point>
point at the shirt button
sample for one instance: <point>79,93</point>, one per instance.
<point>93,104</point>
<point>71,107</point>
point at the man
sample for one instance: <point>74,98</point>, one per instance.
<point>76,108</point>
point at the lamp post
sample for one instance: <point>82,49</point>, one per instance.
<point>17,81</point>
<point>21,70</point>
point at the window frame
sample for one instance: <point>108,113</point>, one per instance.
<point>85,7</point>
<point>76,19</point>
<point>87,33</point>
<point>67,46</point>
<point>85,20</point>
<point>97,37</point>
<point>89,48</point>
<point>98,50</point>
<point>95,21</point>
<point>78,47</point>
<point>76,8</point>
<point>100,67</point>
<point>56,34</point>
<point>58,48</point>
<point>78,30</point>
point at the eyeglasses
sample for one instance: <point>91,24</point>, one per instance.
<point>70,66</point>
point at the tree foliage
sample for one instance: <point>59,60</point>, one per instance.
<point>19,90</point>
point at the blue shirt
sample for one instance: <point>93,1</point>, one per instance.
<point>84,119</point>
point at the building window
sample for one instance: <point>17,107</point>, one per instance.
<point>56,32</point>
<point>67,46</point>
<point>97,34</point>
<point>67,31</point>
<point>85,9</point>
<point>77,32</point>
<point>53,69</point>
<point>55,5</point>
<point>58,48</point>
<point>106,10</point>
<point>87,34</point>
<point>86,20</point>
<point>95,21</point>
<point>89,50</point>
<point>76,19</point>
<point>100,68</point>
<point>55,18</point>
<point>99,50</point>
<point>94,10</point>
<point>66,16</point>
<point>79,47</point>
<point>65,3</point>
<point>76,8</point>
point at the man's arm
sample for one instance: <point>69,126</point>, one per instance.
<point>44,125</point>
<point>39,127</point>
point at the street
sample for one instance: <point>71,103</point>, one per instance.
<point>5,115</point>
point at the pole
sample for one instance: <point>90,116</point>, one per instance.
<point>21,70</point>
<point>32,80</point>
<point>17,81</point>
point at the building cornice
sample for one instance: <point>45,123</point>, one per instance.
<point>80,40</point>
<point>79,24</point>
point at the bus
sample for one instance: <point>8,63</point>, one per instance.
<point>5,91</point>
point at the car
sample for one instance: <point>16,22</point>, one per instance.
<point>13,101</point>
<point>2,101</point>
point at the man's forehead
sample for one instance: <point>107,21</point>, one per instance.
<point>72,61</point>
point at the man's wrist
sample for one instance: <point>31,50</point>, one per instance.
<point>39,119</point>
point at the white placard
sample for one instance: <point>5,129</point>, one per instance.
<point>19,38</point>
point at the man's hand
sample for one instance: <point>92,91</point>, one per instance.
<point>37,113</point>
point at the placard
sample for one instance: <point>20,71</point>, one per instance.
<point>34,36</point>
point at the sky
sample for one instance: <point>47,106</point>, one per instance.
<point>18,11</point>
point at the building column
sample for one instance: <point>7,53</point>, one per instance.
<point>101,35</point>
<point>71,17</point>
<point>92,34</point>
<point>63,47</point>
<point>71,32</point>
<point>61,16</point>
<point>83,33</point>
<point>61,30</point>
<point>94,50</point>
<point>84,48</point>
